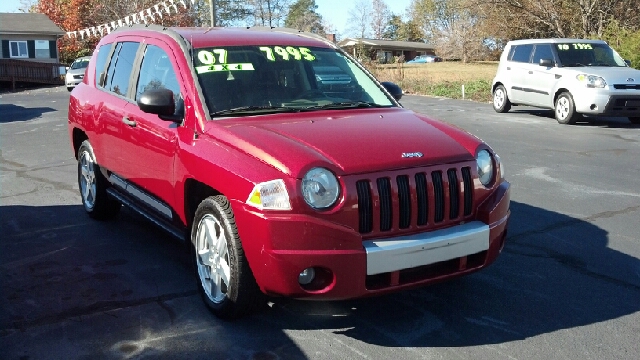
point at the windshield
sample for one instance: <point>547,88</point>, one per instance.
<point>266,79</point>
<point>588,54</point>
<point>80,64</point>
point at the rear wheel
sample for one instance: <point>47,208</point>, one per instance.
<point>565,109</point>
<point>225,280</point>
<point>635,120</point>
<point>501,102</point>
<point>93,186</point>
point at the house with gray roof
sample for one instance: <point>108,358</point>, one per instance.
<point>29,36</point>
<point>385,50</point>
<point>28,49</point>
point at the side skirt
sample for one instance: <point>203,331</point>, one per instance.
<point>146,205</point>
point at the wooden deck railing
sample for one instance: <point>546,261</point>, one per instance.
<point>27,71</point>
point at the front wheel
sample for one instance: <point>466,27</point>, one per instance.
<point>635,120</point>
<point>226,282</point>
<point>93,186</point>
<point>565,109</point>
<point>501,101</point>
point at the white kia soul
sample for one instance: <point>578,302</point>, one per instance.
<point>572,76</point>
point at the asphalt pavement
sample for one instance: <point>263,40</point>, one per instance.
<point>567,285</point>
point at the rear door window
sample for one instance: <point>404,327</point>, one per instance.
<point>120,68</point>
<point>522,53</point>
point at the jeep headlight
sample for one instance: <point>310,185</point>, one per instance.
<point>485,167</point>
<point>592,81</point>
<point>320,188</point>
<point>270,195</point>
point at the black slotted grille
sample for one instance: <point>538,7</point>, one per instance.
<point>386,211</point>
<point>468,191</point>
<point>404,201</point>
<point>454,194</point>
<point>422,197</point>
<point>438,194</point>
<point>365,206</point>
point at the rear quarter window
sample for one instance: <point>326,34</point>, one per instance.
<point>522,53</point>
<point>101,61</point>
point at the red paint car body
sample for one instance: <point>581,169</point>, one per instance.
<point>404,179</point>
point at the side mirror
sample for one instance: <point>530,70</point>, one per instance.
<point>628,62</point>
<point>158,101</point>
<point>393,89</point>
<point>546,62</point>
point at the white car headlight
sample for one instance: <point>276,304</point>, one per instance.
<point>592,81</point>
<point>485,167</point>
<point>320,188</point>
<point>270,195</point>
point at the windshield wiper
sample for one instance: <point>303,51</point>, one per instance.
<point>253,109</point>
<point>344,105</point>
<point>573,65</point>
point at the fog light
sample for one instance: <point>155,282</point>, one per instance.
<point>306,276</point>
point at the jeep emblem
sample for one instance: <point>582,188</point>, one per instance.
<point>412,155</point>
<point>631,80</point>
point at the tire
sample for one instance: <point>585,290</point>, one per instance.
<point>225,280</point>
<point>565,109</point>
<point>635,120</point>
<point>501,102</point>
<point>69,88</point>
<point>93,186</point>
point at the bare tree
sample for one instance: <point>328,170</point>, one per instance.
<point>359,15</point>
<point>380,16</point>
<point>451,26</point>
<point>269,12</point>
<point>512,19</point>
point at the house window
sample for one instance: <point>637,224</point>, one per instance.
<point>18,49</point>
<point>42,49</point>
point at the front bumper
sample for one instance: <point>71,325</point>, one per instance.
<point>279,247</point>
<point>71,81</point>
<point>608,102</point>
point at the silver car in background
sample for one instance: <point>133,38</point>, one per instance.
<point>574,77</point>
<point>75,72</point>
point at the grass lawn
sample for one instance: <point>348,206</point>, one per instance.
<point>441,79</point>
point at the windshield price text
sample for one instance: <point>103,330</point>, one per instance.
<point>287,53</point>
<point>576,46</point>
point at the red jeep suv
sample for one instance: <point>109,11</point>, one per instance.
<point>282,184</point>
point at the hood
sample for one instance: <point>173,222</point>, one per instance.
<point>80,71</point>
<point>345,141</point>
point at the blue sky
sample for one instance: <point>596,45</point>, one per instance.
<point>335,12</point>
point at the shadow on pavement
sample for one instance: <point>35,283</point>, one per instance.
<point>123,288</point>
<point>72,287</point>
<point>12,113</point>
<point>592,121</point>
<point>555,273</point>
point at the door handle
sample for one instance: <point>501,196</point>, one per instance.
<point>131,123</point>
<point>530,72</point>
<point>508,67</point>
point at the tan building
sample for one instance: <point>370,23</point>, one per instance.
<point>385,50</point>
<point>30,37</point>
